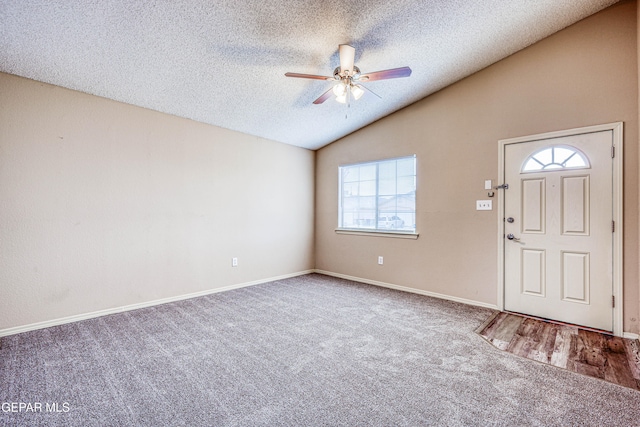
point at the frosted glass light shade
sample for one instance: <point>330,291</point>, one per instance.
<point>357,91</point>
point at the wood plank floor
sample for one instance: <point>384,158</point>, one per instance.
<point>596,354</point>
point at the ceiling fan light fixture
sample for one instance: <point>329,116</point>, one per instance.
<point>339,89</point>
<point>342,99</point>
<point>357,91</point>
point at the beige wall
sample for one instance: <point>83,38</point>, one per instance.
<point>105,205</point>
<point>582,76</point>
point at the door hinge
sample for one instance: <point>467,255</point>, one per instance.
<point>613,301</point>
<point>613,226</point>
<point>501,187</point>
<point>613,151</point>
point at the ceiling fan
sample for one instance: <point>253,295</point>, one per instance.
<point>348,79</point>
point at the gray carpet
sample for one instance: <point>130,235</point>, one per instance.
<point>307,351</point>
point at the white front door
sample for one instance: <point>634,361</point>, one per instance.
<point>558,213</point>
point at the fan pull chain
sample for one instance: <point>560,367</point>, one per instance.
<point>346,115</point>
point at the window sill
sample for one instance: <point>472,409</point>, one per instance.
<point>378,233</point>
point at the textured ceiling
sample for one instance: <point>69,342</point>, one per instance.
<point>223,62</point>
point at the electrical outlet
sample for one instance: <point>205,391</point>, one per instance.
<point>380,260</point>
<point>234,262</point>
<point>484,205</point>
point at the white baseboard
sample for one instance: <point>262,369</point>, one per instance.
<point>629,335</point>
<point>407,289</point>
<point>78,317</point>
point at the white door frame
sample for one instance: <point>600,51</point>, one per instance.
<point>617,129</point>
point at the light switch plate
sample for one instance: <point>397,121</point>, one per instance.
<point>484,205</point>
<point>487,184</point>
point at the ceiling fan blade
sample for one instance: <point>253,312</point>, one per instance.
<point>324,97</point>
<point>386,74</point>
<point>347,58</point>
<point>308,76</point>
<point>369,90</point>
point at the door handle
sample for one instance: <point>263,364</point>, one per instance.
<point>510,236</point>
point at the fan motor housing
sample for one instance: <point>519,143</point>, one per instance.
<point>338,75</point>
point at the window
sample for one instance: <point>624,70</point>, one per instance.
<point>379,195</point>
<point>556,157</point>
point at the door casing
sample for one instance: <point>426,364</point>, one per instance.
<point>617,235</point>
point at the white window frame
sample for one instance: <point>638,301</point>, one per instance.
<point>559,166</point>
<point>396,233</point>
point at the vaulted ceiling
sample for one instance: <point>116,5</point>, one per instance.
<point>223,62</point>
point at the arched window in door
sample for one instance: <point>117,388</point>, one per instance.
<point>556,157</point>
